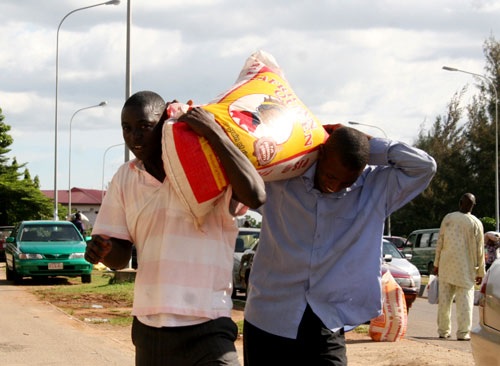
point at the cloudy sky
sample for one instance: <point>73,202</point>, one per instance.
<point>373,61</point>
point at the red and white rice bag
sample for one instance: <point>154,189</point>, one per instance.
<point>262,116</point>
<point>391,325</point>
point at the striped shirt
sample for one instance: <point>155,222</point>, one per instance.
<point>184,275</point>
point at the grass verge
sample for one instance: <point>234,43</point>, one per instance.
<point>102,300</point>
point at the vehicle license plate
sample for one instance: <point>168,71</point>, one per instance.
<point>55,266</point>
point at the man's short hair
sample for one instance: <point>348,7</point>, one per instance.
<point>146,97</point>
<point>351,145</point>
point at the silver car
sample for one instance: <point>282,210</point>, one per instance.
<point>397,258</point>
<point>485,337</point>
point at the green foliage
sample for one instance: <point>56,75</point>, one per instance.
<point>20,196</point>
<point>5,141</point>
<point>445,143</point>
<point>463,144</point>
<point>488,223</point>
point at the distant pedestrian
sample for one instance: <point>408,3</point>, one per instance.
<point>459,262</point>
<point>491,248</point>
<point>77,221</point>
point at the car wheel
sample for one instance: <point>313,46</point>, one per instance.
<point>9,274</point>
<point>86,278</point>
<point>247,289</point>
<point>16,277</point>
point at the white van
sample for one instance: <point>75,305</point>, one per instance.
<point>421,244</point>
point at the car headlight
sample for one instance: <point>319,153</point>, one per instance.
<point>77,256</point>
<point>30,256</point>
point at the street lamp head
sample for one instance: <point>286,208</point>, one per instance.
<point>102,104</point>
<point>447,68</point>
<point>366,124</point>
<point>113,2</point>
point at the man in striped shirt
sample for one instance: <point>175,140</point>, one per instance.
<point>182,299</point>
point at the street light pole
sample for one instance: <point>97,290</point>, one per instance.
<point>385,135</point>
<point>103,161</point>
<point>102,104</point>
<point>112,2</point>
<point>128,80</point>
<point>492,84</point>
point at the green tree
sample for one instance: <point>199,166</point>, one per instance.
<point>463,144</point>
<point>20,196</point>
<point>445,143</point>
<point>5,142</point>
<point>482,130</point>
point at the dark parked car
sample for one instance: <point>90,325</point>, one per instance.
<point>4,234</point>
<point>245,267</point>
<point>40,249</point>
<point>247,239</point>
<point>421,244</point>
<point>134,257</point>
<point>398,241</point>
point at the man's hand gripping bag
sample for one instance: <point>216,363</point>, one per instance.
<point>262,116</point>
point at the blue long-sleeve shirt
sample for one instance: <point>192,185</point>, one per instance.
<point>325,249</point>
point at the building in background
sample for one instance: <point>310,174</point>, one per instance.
<point>87,201</point>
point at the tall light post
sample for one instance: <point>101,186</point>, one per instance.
<point>112,2</point>
<point>103,161</point>
<point>102,104</point>
<point>492,84</point>
<point>385,135</point>
<point>128,80</point>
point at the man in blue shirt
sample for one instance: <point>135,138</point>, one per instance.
<point>317,269</point>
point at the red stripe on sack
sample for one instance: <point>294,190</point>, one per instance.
<point>194,162</point>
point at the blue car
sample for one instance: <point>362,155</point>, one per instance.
<point>39,249</point>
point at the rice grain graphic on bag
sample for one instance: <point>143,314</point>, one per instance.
<point>262,116</point>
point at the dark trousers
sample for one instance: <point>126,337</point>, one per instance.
<point>315,345</point>
<point>210,343</point>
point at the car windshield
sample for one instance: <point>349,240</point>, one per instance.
<point>49,233</point>
<point>390,248</point>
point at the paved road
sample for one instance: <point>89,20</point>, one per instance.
<point>422,325</point>
<point>34,333</point>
